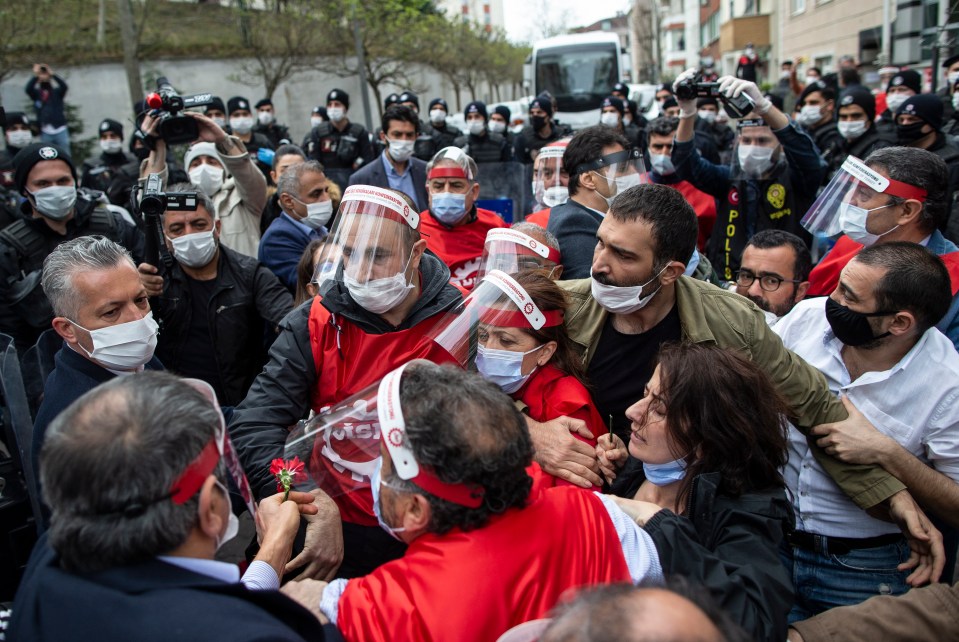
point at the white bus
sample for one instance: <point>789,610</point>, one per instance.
<point>579,70</point>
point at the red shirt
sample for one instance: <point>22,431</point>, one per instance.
<point>460,247</point>
<point>474,586</point>
<point>705,207</point>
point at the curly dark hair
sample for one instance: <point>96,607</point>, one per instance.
<point>467,431</point>
<point>726,413</point>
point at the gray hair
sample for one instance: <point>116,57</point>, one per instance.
<point>84,254</point>
<point>290,180</point>
<point>202,200</point>
<point>108,463</point>
<point>538,232</point>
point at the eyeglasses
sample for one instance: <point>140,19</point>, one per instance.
<point>768,282</point>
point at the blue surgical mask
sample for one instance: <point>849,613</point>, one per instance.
<point>503,367</point>
<point>375,481</point>
<point>665,474</point>
<point>448,208</point>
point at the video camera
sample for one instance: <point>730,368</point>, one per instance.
<point>175,128</point>
<point>694,87</point>
<point>153,202</point>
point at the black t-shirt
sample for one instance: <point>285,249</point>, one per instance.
<point>623,364</point>
<point>198,359</point>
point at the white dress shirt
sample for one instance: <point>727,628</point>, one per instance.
<point>916,402</point>
<point>259,576</point>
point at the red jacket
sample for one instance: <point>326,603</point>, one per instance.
<point>705,207</point>
<point>461,247</point>
<point>474,586</point>
<point>540,218</point>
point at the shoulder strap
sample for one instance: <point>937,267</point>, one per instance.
<point>323,129</point>
<point>355,130</point>
<point>22,238</point>
<point>103,223</point>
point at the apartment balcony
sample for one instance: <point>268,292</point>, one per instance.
<point>736,33</point>
<point>676,58</point>
<point>674,21</point>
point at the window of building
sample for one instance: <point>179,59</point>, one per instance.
<point>799,6</point>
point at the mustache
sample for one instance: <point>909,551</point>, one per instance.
<point>763,305</point>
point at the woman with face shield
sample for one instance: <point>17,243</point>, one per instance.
<point>550,180</point>
<point>701,475</point>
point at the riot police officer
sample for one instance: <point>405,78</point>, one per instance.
<point>340,145</point>
<point>102,172</point>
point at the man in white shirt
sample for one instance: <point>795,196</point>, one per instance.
<point>874,340</point>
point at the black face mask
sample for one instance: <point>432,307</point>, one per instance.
<point>910,133</point>
<point>142,153</point>
<point>851,327</point>
<point>538,122</point>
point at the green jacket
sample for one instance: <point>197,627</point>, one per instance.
<point>709,314</point>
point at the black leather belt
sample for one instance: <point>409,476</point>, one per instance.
<point>824,545</point>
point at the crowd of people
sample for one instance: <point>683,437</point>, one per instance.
<point>703,389</point>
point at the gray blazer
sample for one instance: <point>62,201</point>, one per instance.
<point>373,174</point>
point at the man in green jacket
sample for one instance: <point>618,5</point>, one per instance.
<point>637,299</point>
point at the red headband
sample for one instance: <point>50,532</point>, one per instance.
<point>447,172</point>
<point>516,319</point>
<point>552,254</point>
<point>905,190</point>
<point>188,483</point>
<point>469,495</point>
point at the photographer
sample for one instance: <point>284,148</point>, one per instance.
<point>220,166</point>
<point>47,90</point>
<point>773,179</point>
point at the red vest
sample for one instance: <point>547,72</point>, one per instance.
<point>825,277</point>
<point>460,248</point>
<point>474,586</point>
<point>705,207</point>
<point>540,218</point>
<point>550,394</point>
<point>347,361</point>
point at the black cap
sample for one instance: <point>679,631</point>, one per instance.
<point>669,103</point>
<point>15,118</point>
<point>109,125</point>
<point>615,103</point>
<point>620,88</point>
<point>544,103</point>
<point>235,103</point>
<point>862,97</point>
<point>320,110</point>
<point>908,78</point>
<point>410,97</point>
<point>389,101</point>
<point>476,107</point>
<point>32,154</point>
<point>707,100</point>
<point>340,95</point>
<point>950,61</point>
<point>264,102</point>
<point>216,103</point>
<point>776,100</point>
<point>928,107</point>
<point>503,111</point>
<point>441,103</point>
<point>814,86</point>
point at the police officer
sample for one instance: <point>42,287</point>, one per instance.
<point>436,133</point>
<point>241,125</point>
<point>17,135</point>
<point>267,126</point>
<point>857,113</point>
<point>53,211</point>
<point>479,143</point>
<point>216,110</point>
<point>103,172</point>
<point>340,145</point>
<point>901,86</point>
<point>611,113</point>
<point>817,115</point>
<point>540,131</point>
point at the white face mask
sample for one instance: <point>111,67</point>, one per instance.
<point>241,124</point>
<point>497,127</point>
<point>811,79</point>
<point>953,78</point>
<point>895,101</point>
<point>662,164</point>
<point>707,115</point>
<point>852,221</point>
<point>622,184</point>
<point>207,178</point>
<point>315,120</point>
<point>220,122</point>
<point>556,195</point>
<point>265,117</point>
<point>809,115</point>
<point>503,367</point>
<point>56,202</point>
<point>126,346</point>
<point>400,150</point>
<point>194,250</point>
<point>623,299</point>
<point>19,138</point>
<point>380,295</point>
<point>955,101</point>
<point>317,214</point>
<point>232,521</point>
<point>336,114</point>
<point>755,160</point>
<point>627,121</point>
<point>851,129</point>
<point>476,127</point>
<point>437,116</point>
<point>609,119</point>
<point>111,146</point>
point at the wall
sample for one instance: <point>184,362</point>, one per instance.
<point>826,29</point>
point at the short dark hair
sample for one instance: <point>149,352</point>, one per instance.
<point>915,280</point>
<point>287,150</point>
<point>587,146</point>
<point>671,217</point>
<point>849,76</point>
<point>664,126</point>
<point>467,431</point>
<point>769,239</point>
<point>108,463</point>
<point>919,168</point>
<point>401,113</point>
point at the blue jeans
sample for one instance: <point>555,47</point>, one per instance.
<point>825,581</point>
<point>61,139</point>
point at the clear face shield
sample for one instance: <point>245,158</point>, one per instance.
<point>757,150</point>
<point>550,178</point>
<point>844,206</point>
<point>512,251</point>
<point>620,170</point>
<point>372,246</point>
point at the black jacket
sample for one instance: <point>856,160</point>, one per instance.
<point>866,144</point>
<point>105,174</point>
<point>488,148</point>
<point>281,394</point>
<point>247,297</point>
<point>528,141</point>
<point>276,134</point>
<point>729,545</point>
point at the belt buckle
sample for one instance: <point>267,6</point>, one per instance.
<point>820,546</point>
